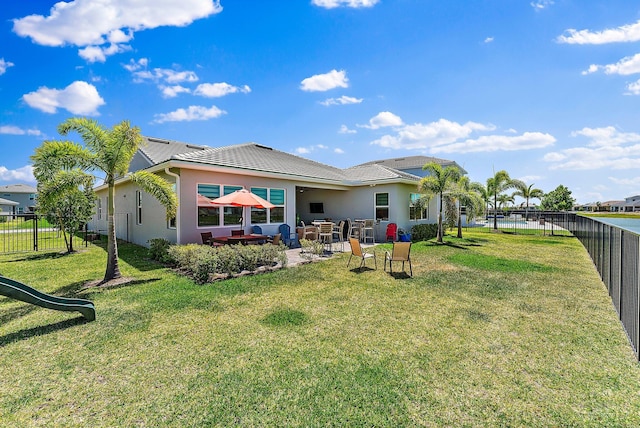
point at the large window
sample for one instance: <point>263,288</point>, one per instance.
<point>418,207</point>
<point>211,215</point>
<point>274,215</point>
<point>99,208</point>
<point>382,206</point>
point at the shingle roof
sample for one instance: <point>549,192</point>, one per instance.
<point>18,188</point>
<point>251,156</point>
<point>411,162</point>
<point>376,172</point>
<point>158,150</point>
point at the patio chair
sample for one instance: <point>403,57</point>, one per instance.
<point>392,230</point>
<point>368,232</point>
<point>285,234</point>
<point>276,239</point>
<point>207,237</point>
<point>338,234</point>
<point>356,250</point>
<point>239,232</point>
<point>325,234</point>
<point>256,229</point>
<point>401,252</point>
<point>309,232</point>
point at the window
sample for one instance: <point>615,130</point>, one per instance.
<point>274,215</point>
<point>99,208</point>
<point>382,206</point>
<point>418,207</point>
<point>211,215</point>
<point>138,207</point>
<point>32,196</point>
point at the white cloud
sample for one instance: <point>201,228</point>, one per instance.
<point>626,66</point>
<point>444,136</point>
<point>325,82</point>
<point>302,150</point>
<point>14,130</point>
<point>338,151</point>
<point>189,114</point>
<point>541,4</point>
<point>341,101</point>
<point>90,23</point>
<point>382,120</point>
<point>344,129</point>
<point>495,143</point>
<point>635,181</point>
<point>173,91</point>
<point>100,54</point>
<point>79,98</point>
<point>529,179</point>
<point>309,149</point>
<point>331,4</point>
<point>4,65</point>
<point>136,65</point>
<point>633,88</point>
<point>166,75</point>
<point>606,148</point>
<point>488,40</point>
<point>625,33</point>
<point>216,90</point>
<point>21,174</point>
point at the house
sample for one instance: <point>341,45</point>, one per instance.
<point>301,189</point>
<point>18,199</point>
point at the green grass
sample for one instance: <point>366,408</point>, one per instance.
<point>492,330</point>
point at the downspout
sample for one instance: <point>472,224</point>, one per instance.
<point>177,177</point>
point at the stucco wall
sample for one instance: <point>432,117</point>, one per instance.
<point>188,217</point>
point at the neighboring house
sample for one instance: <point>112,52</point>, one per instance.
<point>7,207</point>
<point>24,196</point>
<point>300,188</point>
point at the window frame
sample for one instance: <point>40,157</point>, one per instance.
<point>138,207</point>
<point>271,196</point>
<point>377,206</point>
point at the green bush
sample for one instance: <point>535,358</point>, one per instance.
<point>159,250</point>
<point>424,232</point>
<point>203,261</point>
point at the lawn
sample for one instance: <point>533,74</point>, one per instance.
<point>492,330</point>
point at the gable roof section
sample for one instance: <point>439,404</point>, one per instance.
<point>376,172</point>
<point>255,157</point>
<point>8,202</point>
<point>157,150</point>
<point>18,188</point>
<point>413,162</point>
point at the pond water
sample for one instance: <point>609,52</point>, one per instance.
<point>631,224</point>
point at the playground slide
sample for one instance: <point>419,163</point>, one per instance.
<point>17,290</point>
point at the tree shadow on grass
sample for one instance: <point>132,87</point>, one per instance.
<point>135,255</point>
<point>40,330</point>
<point>41,256</point>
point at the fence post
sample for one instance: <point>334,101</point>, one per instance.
<point>35,233</point>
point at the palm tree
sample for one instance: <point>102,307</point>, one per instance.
<point>109,151</point>
<point>527,193</point>
<point>470,195</point>
<point>437,183</point>
<point>496,185</point>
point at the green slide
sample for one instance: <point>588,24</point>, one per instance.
<point>17,290</point>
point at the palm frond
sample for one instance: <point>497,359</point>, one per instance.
<point>159,188</point>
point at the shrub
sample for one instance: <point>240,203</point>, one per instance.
<point>202,261</point>
<point>159,250</point>
<point>311,248</point>
<point>424,232</point>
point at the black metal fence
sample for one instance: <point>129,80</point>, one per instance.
<point>616,254</point>
<point>28,232</point>
<point>533,222</point>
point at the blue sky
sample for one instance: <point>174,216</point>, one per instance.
<point>546,89</point>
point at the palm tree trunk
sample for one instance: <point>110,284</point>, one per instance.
<point>495,211</point>
<point>460,221</point>
<point>113,270</point>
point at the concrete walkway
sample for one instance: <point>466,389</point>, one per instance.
<point>295,258</point>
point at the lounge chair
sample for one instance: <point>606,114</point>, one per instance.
<point>356,250</point>
<point>401,252</point>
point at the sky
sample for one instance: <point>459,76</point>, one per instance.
<point>548,90</point>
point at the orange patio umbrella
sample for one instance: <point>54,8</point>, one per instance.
<point>243,198</point>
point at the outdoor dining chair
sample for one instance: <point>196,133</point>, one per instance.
<point>357,251</point>
<point>368,231</point>
<point>401,252</point>
<point>325,234</point>
<point>206,237</point>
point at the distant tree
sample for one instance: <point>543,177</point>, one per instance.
<point>559,199</point>
<point>467,194</point>
<point>109,151</point>
<point>527,193</point>
<point>65,197</point>
<point>437,183</point>
<point>499,183</point>
<point>504,200</point>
